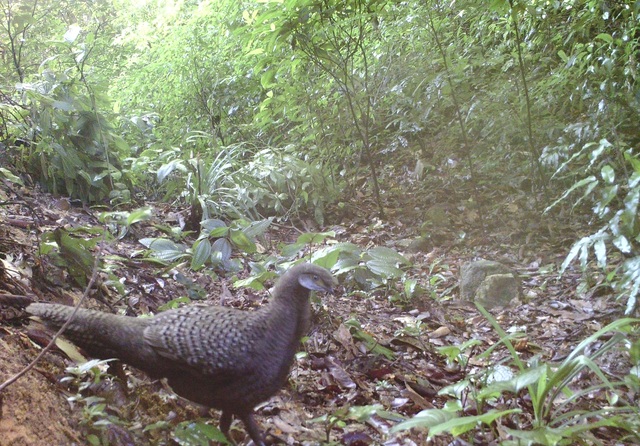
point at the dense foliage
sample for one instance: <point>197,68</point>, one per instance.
<point>95,102</point>
<point>260,111</point>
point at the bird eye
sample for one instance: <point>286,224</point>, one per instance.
<point>316,278</point>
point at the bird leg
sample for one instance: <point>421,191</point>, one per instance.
<point>225,424</point>
<point>253,429</point>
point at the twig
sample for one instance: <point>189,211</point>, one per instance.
<point>94,276</point>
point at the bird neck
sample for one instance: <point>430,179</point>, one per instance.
<point>290,311</point>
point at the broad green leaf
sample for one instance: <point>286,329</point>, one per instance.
<point>6,173</point>
<point>388,255</point>
<point>608,174</point>
<point>345,265</point>
<point>255,282</point>
<point>166,169</point>
<point>174,303</point>
<point>223,247</point>
<point>240,239</point>
<point>371,343</point>
<point>219,232</point>
<point>545,435</point>
<point>410,288</point>
<point>198,434</point>
<point>579,246</point>
<point>62,105</point>
<point>325,257</point>
<point>458,426</point>
<point>257,228</point>
<point>605,37</point>
<point>425,419</point>
<point>585,181</point>
<point>160,244</point>
<point>201,254</point>
<point>517,383</point>
<point>363,413</point>
<point>164,249</point>
<point>631,205</point>
<point>314,237</point>
<point>72,34</point>
<point>291,251</point>
<point>384,269</point>
<point>138,215</point>
<point>212,223</point>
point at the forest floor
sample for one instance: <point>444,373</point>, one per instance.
<point>340,370</point>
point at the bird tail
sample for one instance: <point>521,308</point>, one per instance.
<point>101,335</point>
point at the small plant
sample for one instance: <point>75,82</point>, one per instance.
<point>240,235</point>
<point>340,417</point>
<point>198,433</point>
<point>73,250</point>
<point>95,417</point>
<point>286,184</point>
<point>370,269</point>
<point>413,328</point>
<point>371,343</point>
<point>554,420</point>
<point>613,190</point>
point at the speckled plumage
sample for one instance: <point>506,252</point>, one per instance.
<point>219,357</point>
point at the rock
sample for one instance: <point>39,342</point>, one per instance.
<point>490,283</point>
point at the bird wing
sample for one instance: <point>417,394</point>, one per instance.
<point>214,341</point>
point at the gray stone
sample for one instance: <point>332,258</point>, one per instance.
<point>477,281</point>
<point>498,290</point>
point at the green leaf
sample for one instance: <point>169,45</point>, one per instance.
<point>461,425</point>
<point>622,244</point>
<point>514,385</point>
<point>62,105</point>
<point>388,255</point>
<point>267,79</point>
<point>241,240</point>
<point>600,250</point>
<point>605,37</point>
<point>257,228</point>
<point>174,303</point>
<point>633,160</point>
<point>93,440</point>
<point>590,180</point>
<point>211,224</point>
<point>7,174</point>
<point>425,419</point>
<point>72,34</point>
<point>608,174</point>
<point>198,434</point>
<point>164,249</point>
<point>201,254</point>
<point>410,286</point>
<point>314,237</point>
<point>370,342</point>
<point>384,269</point>
<point>326,257</point>
<point>563,56</point>
<point>578,247</point>
<point>544,435</point>
<point>255,282</point>
<point>363,413</point>
<point>222,249</point>
<point>138,215</point>
<point>166,169</point>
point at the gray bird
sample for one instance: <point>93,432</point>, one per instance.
<point>219,357</point>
